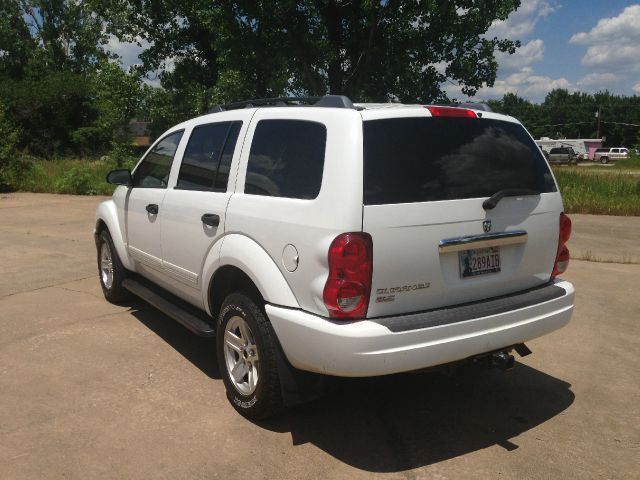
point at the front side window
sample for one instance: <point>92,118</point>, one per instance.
<point>207,158</point>
<point>153,171</point>
<point>286,159</point>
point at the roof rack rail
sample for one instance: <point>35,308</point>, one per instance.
<point>327,101</point>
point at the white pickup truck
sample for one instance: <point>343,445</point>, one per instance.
<point>318,236</point>
<point>606,155</point>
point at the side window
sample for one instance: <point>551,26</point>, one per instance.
<point>286,159</point>
<point>153,171</point>
<point>207,156</point>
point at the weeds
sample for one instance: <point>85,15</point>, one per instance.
<point>604,193</point>
<point>588,256</point>
<point>70,176</point>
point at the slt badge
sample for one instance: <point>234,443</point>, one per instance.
<point>486,226</point>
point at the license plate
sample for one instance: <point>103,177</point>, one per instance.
<point>479,261</point>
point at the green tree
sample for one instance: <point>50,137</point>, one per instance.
<point>57,81</point>
<point>366,50</point>
<point>116,97</point>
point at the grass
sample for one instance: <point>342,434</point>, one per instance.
<point>604,193</point>
<point>70,176</point>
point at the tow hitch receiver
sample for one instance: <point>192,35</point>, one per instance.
<point>502,360</point>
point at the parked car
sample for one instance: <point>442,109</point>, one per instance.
<point>606,155</point>
<point>563,155</point>
<point>341,239</point>
<point>544,152</point>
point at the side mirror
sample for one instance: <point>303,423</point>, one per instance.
<point>121,176</point>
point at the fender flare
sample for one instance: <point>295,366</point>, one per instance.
<point>108,214</point>
<point>247,255</point>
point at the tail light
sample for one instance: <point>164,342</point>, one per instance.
<point>346,293</point>
<point>562,255</point>
<point>451,112</point>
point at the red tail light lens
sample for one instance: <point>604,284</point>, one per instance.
<point>346,293</point>
<point>565,228</point>
<point>562,256</point>
<point>451,112</point>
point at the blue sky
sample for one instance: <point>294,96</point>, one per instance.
<point>585,45</point>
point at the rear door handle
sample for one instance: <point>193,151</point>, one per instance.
<point>152,208</point>
<point>210,219</point>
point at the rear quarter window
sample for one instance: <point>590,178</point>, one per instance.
<point>426,159</point>
<point>286,159</point>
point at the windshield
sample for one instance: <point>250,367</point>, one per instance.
<point>426,159</point>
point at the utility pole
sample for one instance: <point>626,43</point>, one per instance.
<point>598,116</point>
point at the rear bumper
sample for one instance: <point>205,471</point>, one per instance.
<point>369,347</point>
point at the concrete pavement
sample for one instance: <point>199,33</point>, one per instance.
<point>92,390</point>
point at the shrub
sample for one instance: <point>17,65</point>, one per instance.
<point>78,180</point>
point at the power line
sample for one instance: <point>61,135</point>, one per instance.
<point>582,123</point>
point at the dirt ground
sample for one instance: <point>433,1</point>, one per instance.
<point>91,390</point>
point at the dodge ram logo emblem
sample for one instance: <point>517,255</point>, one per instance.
<point>486,226</point>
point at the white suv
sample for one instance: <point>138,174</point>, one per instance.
<point>352,240</point>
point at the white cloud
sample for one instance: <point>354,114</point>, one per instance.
<point>523,83</point>
<point>614,43</point>
<point>515,74</point>
<point>636,88</point>
<point>529,53</point>
<point>127,51</point>
<point>521,22</point>
<point>597,80</point>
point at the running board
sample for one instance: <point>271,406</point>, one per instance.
<point>183,313</point>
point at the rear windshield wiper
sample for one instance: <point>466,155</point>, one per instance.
<point>491,202</point>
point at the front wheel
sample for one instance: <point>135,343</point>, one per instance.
<point>110,270</point>
<point>247,356</point>
<point>604,160</point>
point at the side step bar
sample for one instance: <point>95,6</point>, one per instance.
<point>172,306</point>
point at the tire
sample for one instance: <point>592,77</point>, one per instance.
<point>243,335</point>
<point>110,270</point>
<point>604,160</point>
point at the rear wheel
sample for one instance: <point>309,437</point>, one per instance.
<point>110,270</point>
<point>247,356</point>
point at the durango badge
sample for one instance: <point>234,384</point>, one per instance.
<point>486,226</point>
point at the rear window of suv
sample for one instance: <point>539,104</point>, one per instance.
<point>409,160</point>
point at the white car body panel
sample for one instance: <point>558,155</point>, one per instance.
<point>405,250</point>
<point>366,348</point>
<point>244,253</point>
<point>111,215</point>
